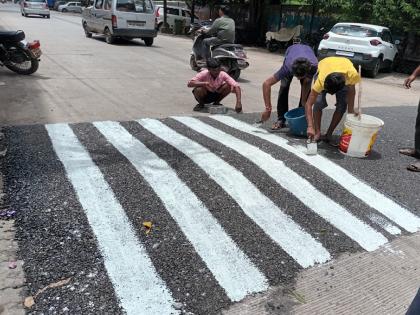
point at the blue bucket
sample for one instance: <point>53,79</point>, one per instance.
<point>297,121</point>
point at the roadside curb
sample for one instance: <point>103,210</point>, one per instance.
<point>12,278</point>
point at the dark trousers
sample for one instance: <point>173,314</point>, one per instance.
<point>283,100</point>
<point>417,133</point>
<point>414,308</point>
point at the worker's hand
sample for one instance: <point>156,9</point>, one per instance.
<point>207,85</point>
<point>265,115</point>
<point>310,132</point>
<point>407,82</point>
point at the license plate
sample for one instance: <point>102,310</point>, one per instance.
<point>344,53</point>
<point>36,52</point>
<point>136,23</point>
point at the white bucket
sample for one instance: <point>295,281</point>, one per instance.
<point>359,135</point>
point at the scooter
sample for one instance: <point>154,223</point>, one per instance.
<point>17,54</point>
<point>231,56</point>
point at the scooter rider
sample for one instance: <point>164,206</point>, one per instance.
<point>222,31</point>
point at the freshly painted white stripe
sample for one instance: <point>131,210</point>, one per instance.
<point>296,242</point>
<point>229,265</point>
<point>360,232</point>
<point>384,223</point>
<point>361,190</point>
<point>131,271</point>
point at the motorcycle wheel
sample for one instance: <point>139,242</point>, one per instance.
<point>235,73</point>
<point>22,63</point>
<point>272,47</point>
<point>193,64</point>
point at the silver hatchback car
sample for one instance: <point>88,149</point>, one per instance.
<point>35,7</point>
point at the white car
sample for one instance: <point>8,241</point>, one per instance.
<point>34,7</point>
<point>370,46</point>
<point>174,13</point>
<point>70,7</point>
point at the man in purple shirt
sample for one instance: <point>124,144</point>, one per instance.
<point>299,61</point>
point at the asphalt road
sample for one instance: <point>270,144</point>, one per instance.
<point>83,79</point>
<point>234,209</point>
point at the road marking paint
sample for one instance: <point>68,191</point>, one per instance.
<point>331,211</point>
<point>229,265</point>
<point>281,228</point>
<point>131,271</point>
<point>361,190</point>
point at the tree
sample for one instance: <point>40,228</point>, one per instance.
<point>403,15</point>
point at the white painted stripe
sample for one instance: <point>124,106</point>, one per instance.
<point>360,232</point>
<point>131,271</point>
<point>384,223</point>
<point>363,191</point>
<point>296,242</point>
<point>229,265</point>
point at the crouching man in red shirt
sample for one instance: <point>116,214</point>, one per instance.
<point>213,85</point>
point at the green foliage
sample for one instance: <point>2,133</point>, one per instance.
<point>398,14</point>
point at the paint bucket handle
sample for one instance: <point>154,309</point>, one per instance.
<point>359,95</point>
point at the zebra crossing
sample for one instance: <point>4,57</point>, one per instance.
<point>198,174</point>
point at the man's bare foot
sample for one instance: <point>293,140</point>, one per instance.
<point>329,139</point>
<point>409,152</point>
<point>414,167</point>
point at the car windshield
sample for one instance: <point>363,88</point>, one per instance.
<point>354,31</point>
<point>141,6</point>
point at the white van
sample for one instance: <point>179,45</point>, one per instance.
<point>174,13</point>
<point>121,18</point>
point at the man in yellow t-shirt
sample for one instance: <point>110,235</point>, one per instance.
<point>336,75</point>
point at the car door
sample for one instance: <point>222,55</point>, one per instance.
<point>135,14</point>
<point>70,6</point>
<point>98,15</point>
<point>390,49</point>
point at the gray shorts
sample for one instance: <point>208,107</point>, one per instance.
<point>341,101</point>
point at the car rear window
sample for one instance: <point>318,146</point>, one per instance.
<point>140,6</point>
<point>354,30</point>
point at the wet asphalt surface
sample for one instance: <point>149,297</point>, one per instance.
<point>56,241</point>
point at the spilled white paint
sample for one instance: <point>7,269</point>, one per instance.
<point>229,265</point>
<point>282,229</point>
<point>361,190</point>
<point>363,234</point>
<point>129,268</point>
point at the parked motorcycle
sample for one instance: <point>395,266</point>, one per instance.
<point>17,54</point>
<point>231,56</point>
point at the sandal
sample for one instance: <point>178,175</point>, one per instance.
<point>414,167</point>
<point>199,108</point>
<point>330,141</point>
<point>279,124</point>
<point>238,109</point>
<point>409,152</point>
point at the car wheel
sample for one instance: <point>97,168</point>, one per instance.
<point>148,41</point>
<point>159,26</point>
<point>393,64</point>
<point>22,14</point>
<point>64,10</point>
<point>48,16</point>
<point>108,37</point>
<point>374,72</point>
<point>272,46</point>
<point>87,33</point>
